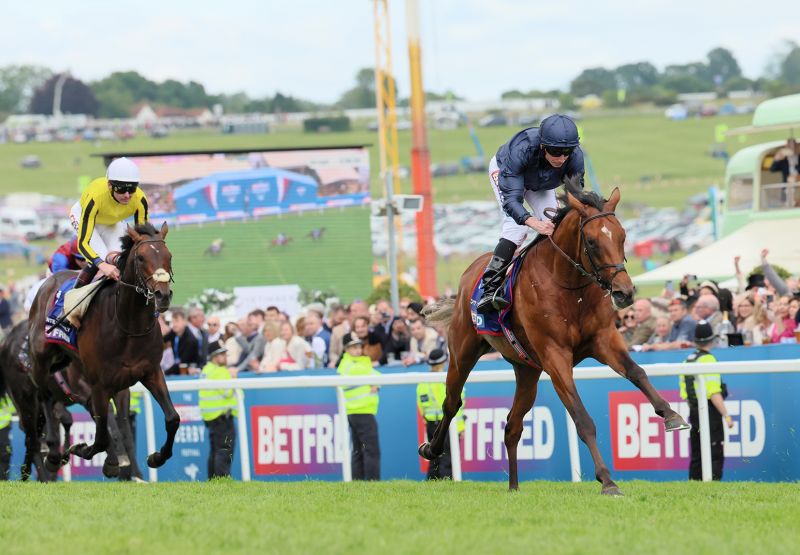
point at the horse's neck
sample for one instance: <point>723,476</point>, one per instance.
<point>132,304</point>
<point>566,238</point>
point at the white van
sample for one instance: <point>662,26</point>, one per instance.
<point>21,221</point>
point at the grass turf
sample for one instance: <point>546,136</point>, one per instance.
<point>399,517</point>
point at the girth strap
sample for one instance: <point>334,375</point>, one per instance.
<point>62,383</point>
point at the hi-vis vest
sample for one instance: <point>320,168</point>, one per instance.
<point>430,397</point>
<point>713,381</point>
<point>6,410</point>
<point>216,402</point>
<point>136,406</point>
<point>359,399</point>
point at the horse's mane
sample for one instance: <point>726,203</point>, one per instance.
<point>572,185</point>
<point>128,242</point>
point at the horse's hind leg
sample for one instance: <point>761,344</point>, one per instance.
<point>122,402</point>
<point>65,417</point>
<point>116,445</point>
<point>52,461</point>
<point>157,385</point>
<point>559,365</point>
<point>524,397</point>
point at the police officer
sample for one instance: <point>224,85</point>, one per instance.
<point>6,411</point>
<point>218,407</point>
<point>126,474</point>
<point>361,402</point>
<point>703,339</point>
<point>430,397</point>
<point>529,167</point>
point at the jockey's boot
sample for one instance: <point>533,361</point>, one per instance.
<point>86,276</point>
<point>492,298</point>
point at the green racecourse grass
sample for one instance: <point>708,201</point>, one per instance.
<point>398,517</point>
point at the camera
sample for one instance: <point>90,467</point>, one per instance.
<point>386,315</point>
<point>691,278</point>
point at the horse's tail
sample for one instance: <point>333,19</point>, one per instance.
<point>440,311</point>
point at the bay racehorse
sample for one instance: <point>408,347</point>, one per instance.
<point>562,314</point>
<point>119,340</point>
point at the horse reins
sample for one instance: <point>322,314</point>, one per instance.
<point>594,275</point>
<point>159,276</point>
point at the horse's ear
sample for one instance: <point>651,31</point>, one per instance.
<point>164,230</point>
<point>577,205</point>
<point>613,200</point>
<point>133,235</point>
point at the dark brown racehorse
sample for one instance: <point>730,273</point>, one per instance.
<point>119,340</point>
<point>563,313</point>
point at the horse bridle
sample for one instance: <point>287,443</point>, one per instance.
<point>594,275</point>
<point>140,285</point>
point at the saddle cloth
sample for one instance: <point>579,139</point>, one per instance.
<point>65,333</point>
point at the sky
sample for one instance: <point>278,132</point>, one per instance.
<point>313,48</point>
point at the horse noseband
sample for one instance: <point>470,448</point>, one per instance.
<point>159,276</point>
<point>595,275</point>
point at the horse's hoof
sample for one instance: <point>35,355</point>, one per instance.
<point>137,480</point>
<point>110,471</point>
<point>675,423</point>
<point>426,452</point>
<point>613,490</point>
<point>124,461</point>
<point>65,459</point>
<point>76,449</point>
<point>155,460</point>
<point>52,464</point>
<point>43,448</point>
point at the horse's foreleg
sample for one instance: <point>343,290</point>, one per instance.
<point>52,461</point>
<point>65,417</point>
<point>559,365</point>
<point>524,397</point>
<point>114,452</point>
<point>157,385</point>
<point>102,439</point>
<point>614,353</point>
<point>122,401</point>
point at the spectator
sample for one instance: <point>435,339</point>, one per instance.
<point>283,317</point>
<point>661,335</point>
<point>274,347</point>
<point>15,303</point>
<point>627,321</point>
<point>645,323</point>
<point>707,308</point>
<point>794,305</point>
<point>272,313</point>
<point>218,407</point>
<point>787,162</point>
<point>403,306</point>
<point>396,345</point>
<point>414,312</point>
<point>357,308</point>
<point>381,320</point>
<point>167,357</point>
<point>234,353</point>
<point>295,354</point>
<point>196,321</point>
<point>424,340</point>
<point>772,276</point>
<point>752,317</point>
<point>682,331</point>
<point>372,345</point>
<point>254,351</point>
<point>362,406</point>
<point>724,296</point>
<point>214,332</point>
<point>257,318</point>
<point>184,345</point>
<point>783,326</point>
<point>336,316</point>
<point>319,338</point>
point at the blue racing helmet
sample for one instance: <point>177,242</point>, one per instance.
<point>559,131</point>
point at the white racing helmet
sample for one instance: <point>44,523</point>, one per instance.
<point>124,170</point>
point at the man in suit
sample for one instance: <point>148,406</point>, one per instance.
<point>183,343</point>
<point>381,320</point>
<point>196,321</point>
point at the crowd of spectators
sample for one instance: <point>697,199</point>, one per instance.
<point>762,308</point>
<point>268,341</point>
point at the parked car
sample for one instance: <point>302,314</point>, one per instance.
<point>89,135</point>
<point>707,110</point>
<point>676,112</point>
<point>527,120</point>
<point>159,132</point>
<point>31,161</point>
<point>747,108</point>
<point>493,120</point>
<point>106,135</point>
<point>23,222</point>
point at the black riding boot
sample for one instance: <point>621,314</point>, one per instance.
<point>492,298</point>
<point>86,276</point>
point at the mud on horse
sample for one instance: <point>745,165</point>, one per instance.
<point>119,341</point>
<point>562,315</point>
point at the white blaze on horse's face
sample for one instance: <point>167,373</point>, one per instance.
<point>161,276</point>
<point>606,231</point>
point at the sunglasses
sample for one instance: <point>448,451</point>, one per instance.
<point>557,151</point>
<point>121,187</point>
<point>629,317</point>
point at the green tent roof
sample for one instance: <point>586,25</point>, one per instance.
<point>778,111</point>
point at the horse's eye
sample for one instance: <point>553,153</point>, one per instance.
<point>140,258</point>
<point>592,243</point>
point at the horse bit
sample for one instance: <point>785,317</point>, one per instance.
<point>159,276</point>
<point>595,273</point>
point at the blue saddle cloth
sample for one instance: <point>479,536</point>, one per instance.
<point>64,333</point>
<point>494,321</point>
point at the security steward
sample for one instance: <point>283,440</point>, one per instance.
<point>528,168</point>
<point>716,391</point>
<point>125,473</point>
<point>361,402</point>
<point>6,411</point>
<point>218,407</point>
<point>430,397</point>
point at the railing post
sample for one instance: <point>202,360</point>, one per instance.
<point>244,444</point>
<point>574,453</point>
<point>344,436</point>
<point>455,450</point>
<point>705,434</point>
<point>150,429</point>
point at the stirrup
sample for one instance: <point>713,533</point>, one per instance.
<point>499,302</point>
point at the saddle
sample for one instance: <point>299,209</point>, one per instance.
<point>74,304</point>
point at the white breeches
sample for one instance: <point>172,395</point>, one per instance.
<point>105,238</point>
<point>538,201</point>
